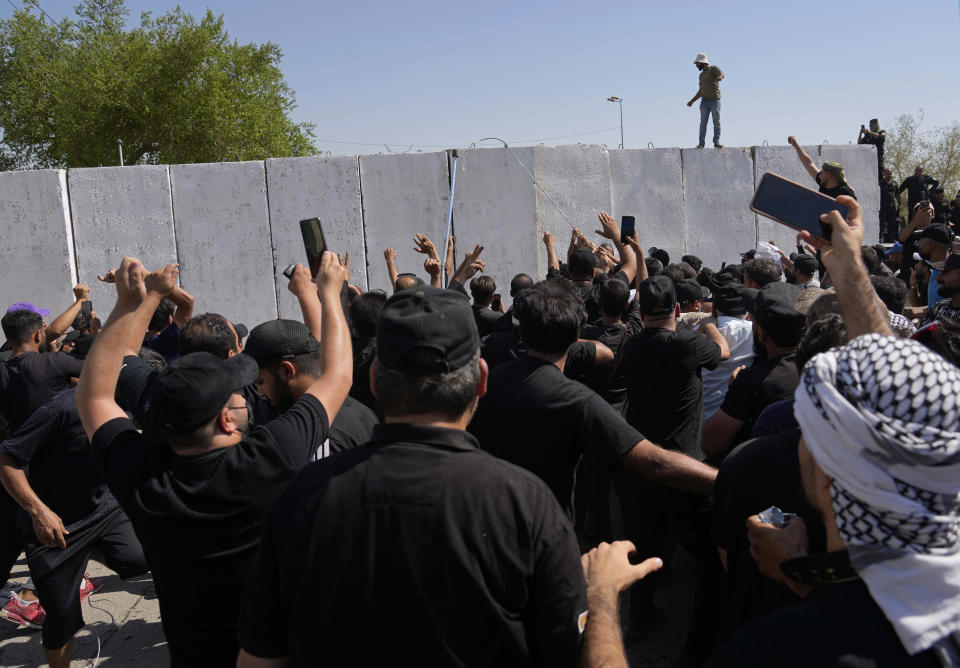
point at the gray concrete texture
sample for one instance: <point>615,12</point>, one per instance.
<point>717,188</point>
<point>36,246</point>
<point>223,239</point>
<point>324,188</point>
<point>233,226</point>
<point>402,195</point>
<point>493,190</point>
<point>120,211</point>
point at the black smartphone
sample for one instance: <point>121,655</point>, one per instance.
<point>794,205</point>
<point>313,243</point>
<point>497,300</point>
<point>86,313</point>
<point>627,225</point>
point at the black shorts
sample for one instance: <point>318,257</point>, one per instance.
<point>56,572</point>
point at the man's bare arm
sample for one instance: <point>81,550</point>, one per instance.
<point>670,468</point>
<point>694,99</point>
<point>862,310</point>
<point>628,259</point>
<point>805,159</point>
<point>718,433</point>
<point>47,525</point>
<point>305,290</point>
<point>184,303</point>
<point>710,330</point>
<point>390,255</point>
<point>62,322</point>
<point>550,244</point>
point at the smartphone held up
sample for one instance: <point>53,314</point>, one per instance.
<point>794,205</point>
<point>314,244</point>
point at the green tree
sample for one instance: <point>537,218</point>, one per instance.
<point>175,90</point>
<point>937,149</point>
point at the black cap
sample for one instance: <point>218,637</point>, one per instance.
<point>772,307</point>
<point>952,262</point>
<point>279,338</point>
<point>805,263</point>
<point>657,295</point>
<point>728,295</point>
<point>938,232</point>
<point>191,390</point>
<point>241,329</point>
<point>427,330</point>
<point>689,290</point>
<point>582,262</point>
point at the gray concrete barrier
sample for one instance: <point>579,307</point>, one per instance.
<point>233,226</point>
<point>36,242</point>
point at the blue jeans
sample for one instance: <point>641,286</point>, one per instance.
<point>706,108</point>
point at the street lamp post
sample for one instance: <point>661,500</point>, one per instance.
<point>618,100</point>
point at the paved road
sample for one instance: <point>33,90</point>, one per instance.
<point>125,618</point>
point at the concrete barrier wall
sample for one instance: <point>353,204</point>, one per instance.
<point>402,195</point>
<point>120,211</point>
<point>36,243</point>
<point>234,226</point>
<point>223,239</point>
<point>326,188</point>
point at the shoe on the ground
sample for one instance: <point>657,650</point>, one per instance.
<point>718,145</point>
<point>89,586</point>
<point>29,614</point>
<point>699,145</point>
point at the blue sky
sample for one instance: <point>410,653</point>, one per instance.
<point>442,74</point>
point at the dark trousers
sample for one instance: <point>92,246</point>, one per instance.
<point>11,538</point>
<point>57,571</point>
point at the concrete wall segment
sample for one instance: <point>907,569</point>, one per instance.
<point>36,246</point>
<point>223,239</point>
<point>648,184</point>
<point>403,194</point>
<point>120,211</point>
<point>327,188</point>
<point>717,189</point>
<point>860,168</point>
<point>577,177</point>
<point>495,204</point>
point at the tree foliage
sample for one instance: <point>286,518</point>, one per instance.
<point>174,89</point>
<point>937,149</point>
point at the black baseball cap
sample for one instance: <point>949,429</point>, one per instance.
<point>582,262</point>
<point>279,338</point>
<point>427,330</point>
<point>938,232</point>
<point>728,294</point>
<point>191,390</point>
<point>689,290</point>
<point>657,295</point>
<point>772,307</point>
<point>805,263</point>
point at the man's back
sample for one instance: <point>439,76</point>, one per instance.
<point>418,545</point>
<point>664,391</point>
<point>29,379</point>
<point>535,417</point>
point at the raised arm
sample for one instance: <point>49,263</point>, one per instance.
<point>332,387</point>
<point>469,267</point>
<point>628,259</point>
<point>62,322</point>
<point>138,295</point>
<point>390,255</point>
<point>642,273</point>
<point>448,258</point>
<point>305,290</point>
<point>184,303</point>
<point>805,159</point>
<point>550,243</point>
<point>862,310</point>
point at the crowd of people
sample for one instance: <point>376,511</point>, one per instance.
<point>438,474</point>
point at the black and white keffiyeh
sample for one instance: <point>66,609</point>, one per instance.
<point>881,416</point>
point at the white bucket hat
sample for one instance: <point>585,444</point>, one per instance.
<point>701,58</point>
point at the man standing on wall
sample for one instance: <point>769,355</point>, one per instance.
<point>709,96</point>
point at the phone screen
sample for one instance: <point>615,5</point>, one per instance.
<point>794,205</point>
<point>627,225</point>
<point>313,243</point>
<point>86,312</point>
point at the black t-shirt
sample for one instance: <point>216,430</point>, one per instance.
<point>611,382</point>
<point>757,387</point>
<point>54,449</point>
<point>837,191</point>
<point>878,142</point>
<point>888,196</point>
<point>416,545</point>
<point>590,293</point>
<point>352,426</point>
<point>199,516</point>
<point>836,625</point>
<point>917,188</point>
<point>762,472</point>
<point>537,418</point>
<point>502,347</point>
<point>29,379</point>
<point>664,390</point>
<point>486,318</point>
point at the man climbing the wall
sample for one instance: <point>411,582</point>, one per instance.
<point>709,96</point>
